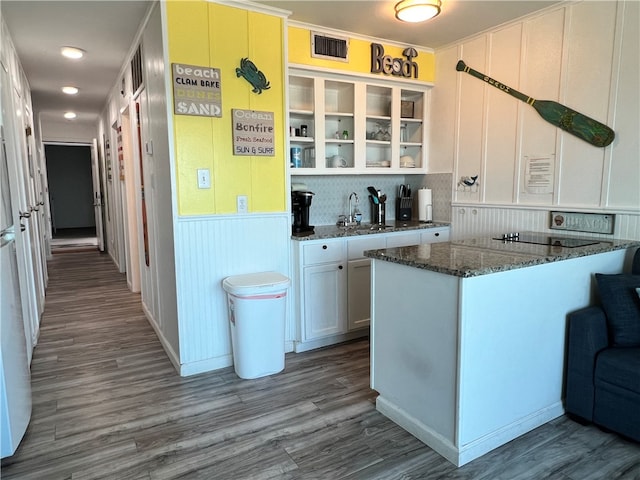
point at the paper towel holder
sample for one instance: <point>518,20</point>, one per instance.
<point>425,207</point>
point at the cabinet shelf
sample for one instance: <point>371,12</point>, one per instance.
<point>302,113</point>
<point>330,104</point>
<point>338,140</point>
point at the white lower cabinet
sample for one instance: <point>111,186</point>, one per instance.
<point>333,284</point>
<point>325,288</point>
<point>359,293</point>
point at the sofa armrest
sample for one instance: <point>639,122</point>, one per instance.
<point>587,336</point>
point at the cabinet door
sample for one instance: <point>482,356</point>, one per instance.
<point>359,272</point>
<point>325,289</point>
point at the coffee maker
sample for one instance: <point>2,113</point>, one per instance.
<point>300,203</point>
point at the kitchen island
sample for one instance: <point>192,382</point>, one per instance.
<point>468,337</point>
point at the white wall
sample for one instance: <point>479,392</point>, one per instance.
<point>67,131</point>
<point>159,185</point>
<point>208,249</point>
<point>158,280</point>
<point>584,55</point>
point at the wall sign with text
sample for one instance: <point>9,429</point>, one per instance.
<point>196,90</point>
<point>253,133</point>
<point>399,67</point>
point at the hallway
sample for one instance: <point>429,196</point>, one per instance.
<point>108,404</point>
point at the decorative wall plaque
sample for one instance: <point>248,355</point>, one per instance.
<point>251,74</point>
<point>196,91</point>
<point>253,133</point>
<point>582,222</point>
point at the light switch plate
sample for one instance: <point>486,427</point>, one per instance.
<point>204,179</point>
<point>242,204</point>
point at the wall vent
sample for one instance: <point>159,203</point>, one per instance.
<point>136,70</point>
<point>335,48</point>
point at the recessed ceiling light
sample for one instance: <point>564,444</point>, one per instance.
<point>70,115</point>
<point>70,90</point>
<point>72,52</point>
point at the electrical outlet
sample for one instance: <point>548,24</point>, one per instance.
<point>242,204</point>
<point>204,179</point>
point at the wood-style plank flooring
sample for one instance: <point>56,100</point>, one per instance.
<point>107,403</point>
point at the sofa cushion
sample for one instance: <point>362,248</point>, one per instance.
<point>619,367</point>
<point>622,307</point>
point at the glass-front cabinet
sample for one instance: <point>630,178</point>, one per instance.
<point>341,125</point>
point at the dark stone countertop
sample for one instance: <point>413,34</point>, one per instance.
<point>483,256</point>
<point>333,231</point>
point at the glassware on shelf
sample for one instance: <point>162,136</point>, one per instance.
<point>386,136</point>
<point>403,132</point>
<point>379,133</point>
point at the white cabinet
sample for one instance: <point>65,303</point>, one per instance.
<point>356,126</point>
<point>435,235</point>
<point>359,279</point>
<point>403,239</point>
<point>359,288</point>
<point>333,284</point>
<point>325,289</point>
<point>322,290</point>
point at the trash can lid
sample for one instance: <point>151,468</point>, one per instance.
<point>256,283</point>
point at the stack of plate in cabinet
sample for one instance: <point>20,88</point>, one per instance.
<point>407,161</point>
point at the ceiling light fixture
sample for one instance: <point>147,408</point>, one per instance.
<point>417,10</point>
<point>70,115</point>
<point>70,90</point>
<point>72,52</point>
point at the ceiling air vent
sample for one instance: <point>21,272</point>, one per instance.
<point>335,48</point>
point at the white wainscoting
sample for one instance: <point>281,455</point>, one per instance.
<point>209,249</point>
<point>469,221</point>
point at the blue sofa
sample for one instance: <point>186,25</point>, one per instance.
<point>603,356</point>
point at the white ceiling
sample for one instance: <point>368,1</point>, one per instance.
<point>106,30</point>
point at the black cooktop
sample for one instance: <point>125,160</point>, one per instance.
<point>544,239</point>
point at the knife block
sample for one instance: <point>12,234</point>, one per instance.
<point>404,208</point>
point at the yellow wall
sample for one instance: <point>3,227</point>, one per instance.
<point>218,36</point>
<point>359,57</point>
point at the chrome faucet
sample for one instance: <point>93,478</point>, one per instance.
<point>351,215</point>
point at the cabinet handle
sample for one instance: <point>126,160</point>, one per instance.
<point>437,234</point>
<point>324,247</point>
<point>340,267</point>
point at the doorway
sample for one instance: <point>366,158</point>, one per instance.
<point>69,172</point>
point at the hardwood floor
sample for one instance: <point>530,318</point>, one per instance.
<point>108,404</point>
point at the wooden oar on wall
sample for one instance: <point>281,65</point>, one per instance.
<point>555,113</point>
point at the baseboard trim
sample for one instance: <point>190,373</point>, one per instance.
<point>173,358</point>
<point>461,455</point>
<point>300,347</point>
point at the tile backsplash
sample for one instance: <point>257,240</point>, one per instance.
<point>332,194</point>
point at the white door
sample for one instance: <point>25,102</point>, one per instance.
<point>15,381</point>
<point>97,194</point>
<point>13,153</point>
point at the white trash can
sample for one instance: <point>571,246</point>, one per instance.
<point>257,312</point>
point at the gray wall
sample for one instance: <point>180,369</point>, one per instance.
<point>70,185</point>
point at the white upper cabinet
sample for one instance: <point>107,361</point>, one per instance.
<point>341,125</point>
